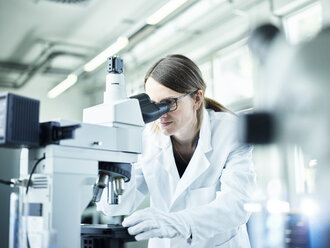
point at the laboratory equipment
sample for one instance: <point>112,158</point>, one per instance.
<point>293,108</point>
<point>66,164</point>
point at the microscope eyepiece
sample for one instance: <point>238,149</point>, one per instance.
<point>151,111</point>
<point>115,65</point>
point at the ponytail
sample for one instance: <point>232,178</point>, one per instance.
<point>214,105</point>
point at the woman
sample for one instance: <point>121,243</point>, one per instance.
<point>198,175</point>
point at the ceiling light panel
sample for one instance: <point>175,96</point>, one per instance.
<point>110,51</point>
<point>164,11</point>
<point>63,86</point>
<point>181,29</point>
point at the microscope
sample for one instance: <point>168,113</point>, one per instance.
<point>64,165</point>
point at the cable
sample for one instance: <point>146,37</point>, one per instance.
<point>33,169</point>
<point>27,187</point>
<point>6,182</point>
<point>27,190</point>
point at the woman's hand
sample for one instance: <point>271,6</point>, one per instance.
<point>154,223</point>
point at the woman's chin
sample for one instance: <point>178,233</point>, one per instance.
<point>165,131</point>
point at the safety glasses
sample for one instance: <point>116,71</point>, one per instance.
<point>173,102</point>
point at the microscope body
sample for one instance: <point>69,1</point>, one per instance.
<point>65,164</point>
<point>62,185</point>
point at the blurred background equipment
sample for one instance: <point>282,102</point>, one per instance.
<point>295,99</point>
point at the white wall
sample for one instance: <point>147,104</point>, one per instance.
<point>326,11</point>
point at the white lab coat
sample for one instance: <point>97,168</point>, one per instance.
<point>212,192</point>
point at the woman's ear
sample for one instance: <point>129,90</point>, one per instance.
<point>199,98</point>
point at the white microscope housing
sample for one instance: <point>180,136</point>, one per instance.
<point>66,164</point>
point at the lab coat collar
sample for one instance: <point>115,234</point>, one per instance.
<point>205,132</point>
<point>197,166</point>
<point>199,162</point>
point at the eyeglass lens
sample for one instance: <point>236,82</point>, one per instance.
<point>172,102</point>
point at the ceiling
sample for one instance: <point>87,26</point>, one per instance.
<point>43,40</point>
<point>56,37</point>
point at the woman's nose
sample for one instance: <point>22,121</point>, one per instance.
<point>164,116</point>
